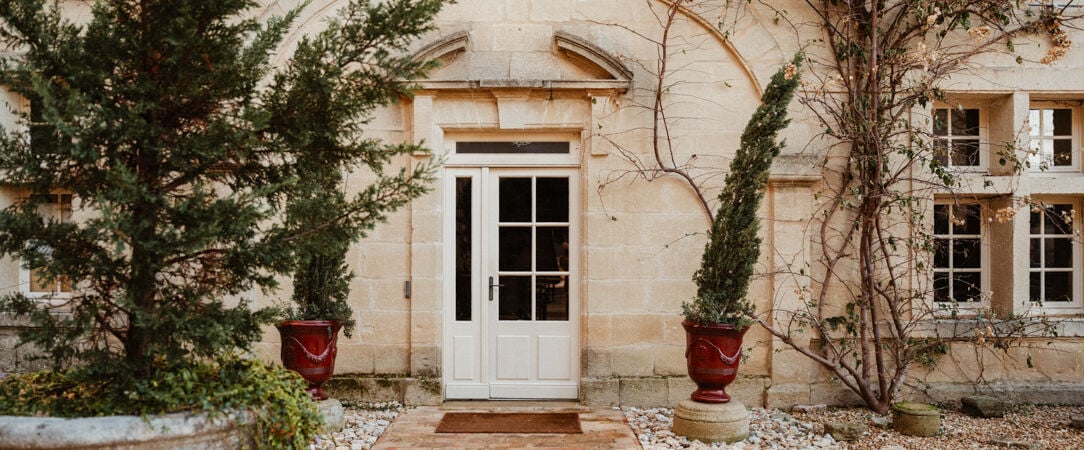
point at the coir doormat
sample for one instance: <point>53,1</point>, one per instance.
<point>462,422</point>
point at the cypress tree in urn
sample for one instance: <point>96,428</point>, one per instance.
<point>733,245</point>
<point>717,318</point>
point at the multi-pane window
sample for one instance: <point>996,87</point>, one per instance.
<point>1051,132</point>
<point>956,137</point>
<point>56,207</point>
<point>958,253</point>
<point>1053,256</point>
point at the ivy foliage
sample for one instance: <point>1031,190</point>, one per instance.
<point>281,413</point>
<point>200,170</point>
<point>733,245</point>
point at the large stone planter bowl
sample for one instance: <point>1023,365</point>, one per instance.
<point>171,431</point>
<point>916,419</point>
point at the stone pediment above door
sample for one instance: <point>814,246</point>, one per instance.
<point>570,62</point>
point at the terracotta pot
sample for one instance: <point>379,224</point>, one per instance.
<point>309,348</point>
<point>712,353</point>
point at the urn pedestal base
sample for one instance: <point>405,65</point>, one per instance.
<point>712,422</point>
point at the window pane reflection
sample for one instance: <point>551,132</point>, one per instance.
<point>515,249</point>
<point>515,298</point>
<point>515,199</point>
<point>552,300</point>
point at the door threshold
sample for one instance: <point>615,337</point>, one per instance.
<point>512,404</point>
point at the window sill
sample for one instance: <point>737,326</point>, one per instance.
<point>1064,325</point>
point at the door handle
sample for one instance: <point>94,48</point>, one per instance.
<point>491,286</point>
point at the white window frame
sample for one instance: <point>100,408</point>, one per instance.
<point>1036,160</point>
<point>983,136</point>
<point>1075,273</point>
<point>25,272</point>
<point>965,307</point>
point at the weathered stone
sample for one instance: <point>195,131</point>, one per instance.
<point>1001,441</point>
<point>170,431</point>
<point>423,391</point>
<point>881,421</point>
<point>893,447</point>
<point>916,419</point>
<point>844,431</point>
<point>1077,422</point>
<point>600,392</point>
<point>711,422</point>
<point>983,406</point>
<point>808,408</point>
<point>334,415</point>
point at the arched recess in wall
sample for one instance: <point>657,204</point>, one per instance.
<point>729,45</point>
<point>318,13</point>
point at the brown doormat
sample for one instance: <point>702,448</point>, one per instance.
<point>457,422</point>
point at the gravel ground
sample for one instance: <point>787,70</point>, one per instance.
<point>364,424</point>
<point>1028,427</point>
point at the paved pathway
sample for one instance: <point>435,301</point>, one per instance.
<point>602,428</point>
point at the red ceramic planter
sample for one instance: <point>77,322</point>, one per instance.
<point>309,348</point>
<point>712,353</point>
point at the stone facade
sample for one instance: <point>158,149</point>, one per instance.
<point>580,71</point>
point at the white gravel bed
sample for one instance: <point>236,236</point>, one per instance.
<point>768,429</point>
<point>365,423</point>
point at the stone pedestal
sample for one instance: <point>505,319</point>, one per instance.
<point>916,419</point>
<point>711,422</point>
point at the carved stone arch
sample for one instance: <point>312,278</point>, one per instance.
<point>445,49</point>
<point>590,57</point>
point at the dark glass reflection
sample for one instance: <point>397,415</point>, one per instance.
<point>552,249</point>
<point>967,286</point>
<point>1035,286</point>
<point>515,298</point>
<point>463,249</point>
<point>515,200</point>
<point>514,253</point>
<point>940,122</point>
<point>1063,152</point>
<point>552,298</point>
<point>940,287</point>
<point>965,122</point>
<point>1036,247</point>
<point>1063,122</point>
<point>516,147</point>
<point>941,151</point>
<point>1059,252</point>
<point>941,253</point>
<point>552,199</point>
<point>1055,220</point>
<point>940,219</point>
<point>965,152</point>
<point>966,253</point>
<point>967,219</point>
<point>1059,286</point>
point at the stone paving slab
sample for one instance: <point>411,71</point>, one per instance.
<point>602,428</point>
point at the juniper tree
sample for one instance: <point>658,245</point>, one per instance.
<point>182,148</point>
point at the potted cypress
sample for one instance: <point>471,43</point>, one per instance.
<point>321,218</point>
<point>718,317</point>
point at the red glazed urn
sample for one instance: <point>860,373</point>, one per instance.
<point>309,348</point>
<point>712,353</point>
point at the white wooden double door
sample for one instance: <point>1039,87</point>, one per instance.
<point>511,266</point>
